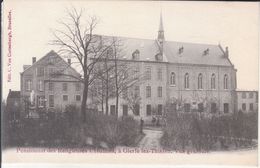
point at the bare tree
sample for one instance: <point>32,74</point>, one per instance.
<point>104,82</point>
<point>77,40</point>
<point>117,73</point>
<point>122,72</point>
<point>133,100</point>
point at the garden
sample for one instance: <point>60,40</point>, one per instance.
<point>56,129</point>
<point>200,133</point>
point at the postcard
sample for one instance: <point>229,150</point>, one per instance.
<point>155,83</point>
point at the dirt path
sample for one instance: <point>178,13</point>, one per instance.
<point>151,139</point>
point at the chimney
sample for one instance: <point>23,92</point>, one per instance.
<point>69,61</point>
<point>226,53</point>
<point>33,60</point>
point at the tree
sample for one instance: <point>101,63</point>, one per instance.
<point>133,100</point>
<point>125,79</point>
<point>103,85</point>
<point>117,73</point>
<point>77,40</point>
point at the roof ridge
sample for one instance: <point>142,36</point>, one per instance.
<point>136,38</point>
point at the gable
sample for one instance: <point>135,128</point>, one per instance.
<point>52,60</point>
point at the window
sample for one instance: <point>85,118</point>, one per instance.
<point>51,100</point>
<point>225,81</point>
<point>28,85</point>
<point>77,86</point>
<point>159,74</point>
<point>64,87</point>
<point>137,91</point>
<point>172,80</point>
<point>244,106</point>
<point>148,91</point>
<point>213,81</point>
<point>148,73</point>
<point>186,107</point>
<point>40,71</point>
<point>125,110</point>
<point>40,85</point>
<point>251,95</point>
<point>137,110</point>
<point>78,97</point>
<point>125,93</point>
<point>186,81</point>
<point>65,97</point>
<point>51,86</point>
<point>110,52</point>
<point>200,81</point>
<point>40,101</point>
<point>51,71</point>
<point>112,109</point>
<point>213,107</point>
<point>159,91</point>
<point>251,107</point>
<point>159,109</point>
<point>226,107</point>
<point>244,95</point>
<point>200,107</point>
<point>136,72</point>
<point>148,109</point>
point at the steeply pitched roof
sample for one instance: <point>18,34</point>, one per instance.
<point>192,53</point>
<point>48,55</point>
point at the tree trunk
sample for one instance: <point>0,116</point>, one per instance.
<point>84,100</point>
<point>102,96</point>
<point>117,89</point>
<point>107,87</point>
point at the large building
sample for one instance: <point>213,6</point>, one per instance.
<point>187,76</point>
<point>49,84</point>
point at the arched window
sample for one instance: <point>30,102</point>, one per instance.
<point>213,81</point>
<point>200,81</point>
<point>186,81</point>
<point>172,82</point>
<point>225,81</point>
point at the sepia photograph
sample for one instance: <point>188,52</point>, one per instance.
<point>130,82</point>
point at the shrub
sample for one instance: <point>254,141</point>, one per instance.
<point>199,133</point>
<point>67,129</point>
<point>128,130</point>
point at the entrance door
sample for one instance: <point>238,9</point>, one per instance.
<point>213,107</point>
<point>112,109</point>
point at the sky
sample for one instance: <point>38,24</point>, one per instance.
<point>232,24</point>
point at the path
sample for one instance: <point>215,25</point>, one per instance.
<point>151,140</point>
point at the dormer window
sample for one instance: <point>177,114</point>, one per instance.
<point>181,50</point>
<point>206,52</point>
<point>136,55</point>
<point>158,57</point>
<point>110,52</point>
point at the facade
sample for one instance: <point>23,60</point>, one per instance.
<point>48,84</point>
<point>179,76</point>
<point>188,77</point>
<point>247,101</point>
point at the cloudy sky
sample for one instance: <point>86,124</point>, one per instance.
<point>232,24</point>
